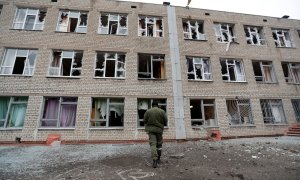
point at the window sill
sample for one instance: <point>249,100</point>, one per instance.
<point>106,128</point>
<point>26,30</point>
<point>194,80</point>
<point>256,45</point>
<point>235,82</point>
<point>69,32</point>
<point>15,75</point>
<point>152,79</point>
<point>242,125</point>
<point>286,47</point>
<point>143,128</point>
<point>197,40</point>
<point>67,77</point>
<point>113,34</point>
<point>11,129</point>
<point>109,78</point>
<point>260,82</point>
<point>276,124</point>
<point>56,129</point>
<point>150,37</point>
<point>203,126</point>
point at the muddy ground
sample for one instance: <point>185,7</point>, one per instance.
<point>252,158</point>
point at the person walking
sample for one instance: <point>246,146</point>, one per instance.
<point>155,119</point>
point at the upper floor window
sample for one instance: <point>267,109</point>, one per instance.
<point>110,65</point>
<point>239,111</point>
<point>145,104</point>
<point>203,112</point>
<point>12,111</point>
<point>193,29</point>
<point>254,35</point>
<point>232,70</point>
<point>199,68</point>
<point>272,110</point>
<point>151,66</point>
<point>282,38</point>
<point>150,26</point>
<point>72,21</point>
<point>29,19</point>
<point>1,6</point>
<point>59,112</point>
<point>107,112</point>
<point>66,63</point>
<point>291,72</point>
<point>18,61</point>
<point>113,24</point>
<point>264,71</point>
<point>224,32</point>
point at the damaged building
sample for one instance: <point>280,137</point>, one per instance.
<point>89,70</point>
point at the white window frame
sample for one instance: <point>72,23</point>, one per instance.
<point>196,62</point>
<point>72,14</point>
<point>106,119</point>
<point>28,67</point>
<point>57,71</point>
<point>219,32</point>
<point>11,103</point>
<point>150,21</point>
<point>284,38</point>
<point>28,12</point>
<point>188,33</point>
<point>270,107</point>
<point>254,32</point>
<point>293,72</point>
<point>263,65</point>
<point>149,102</point>
<point>117,62</point>
<point>296,107</point>
<point>111,17</point>
<point>236,118</point>
<point>239,77</point>
<point>205,122</point>
<point>150,66</point>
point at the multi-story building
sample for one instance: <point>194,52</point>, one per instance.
<point>88,70</point>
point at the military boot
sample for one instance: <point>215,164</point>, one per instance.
<point>154,163</point>
<point>158,158</point>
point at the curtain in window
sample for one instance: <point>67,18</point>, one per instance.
<point>51,109</point>
<point>267,72</point>
<point>68,115</point>
<point>101,106</point>
<point>17,115</point>
<point>4,102</point>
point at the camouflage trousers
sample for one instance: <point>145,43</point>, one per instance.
<point>155,141</point>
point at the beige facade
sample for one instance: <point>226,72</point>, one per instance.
<point>132,87</point>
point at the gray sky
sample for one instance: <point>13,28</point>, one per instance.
<point>274,8</point>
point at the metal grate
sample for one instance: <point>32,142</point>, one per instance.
<point>272,110</point>
<point>296,106</point>
<point>239,111</point>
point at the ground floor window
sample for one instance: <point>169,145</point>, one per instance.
<point>272,110</point>
<point>145,104</point>
<point>239,111</point>
<point>203,112</point>
<point>296,106</point>
<point>59,112</point>
<point>107,112</point>
<point>12,111</point>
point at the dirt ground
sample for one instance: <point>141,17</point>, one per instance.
<point>252,158</point>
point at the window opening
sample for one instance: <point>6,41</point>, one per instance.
<point>291,72</point>
<point>107,112</point>
<point>232,70</point>
<point>282,38</point>
<point>254,35</point>
<point>151,66</point>
<point>203,112</point>
<point>110,65</point>
<point>12,111</point>
<point>193,29</point>
<point>18,61</point>
<point>113,24</point>
<point>1,6</point>
<point>296,106</point>
<point>145,104</point>
<point>264,71</point>
<point>150,26</point>
<point>199,68</point>
<point>29,19</point>
<point>72,21</point>
<point>66,63</point>
<point>239,111</point>
<point>272,110</point>
<point>224,33</point>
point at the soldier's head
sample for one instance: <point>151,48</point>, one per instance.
<point>154,104</point>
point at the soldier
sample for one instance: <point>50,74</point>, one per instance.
<point>155,119</point>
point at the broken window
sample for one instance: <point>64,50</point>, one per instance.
<point>66,63</point>
<point>145,104</point>
<point>1,6</point>
<point>72,21</point>
<point>150,26</point>
<point>232,70</point>
<point>239,111</point>
<point>254,35</point>
<point>193,29</point>
<point>151,66</point>
<point>110,65</point>
<point>272,110</point>
<point>199,68</point>
<point>18,61</point>
<point>59,112</point>
<point>264,71</point>
<point>282,38</point>
<point>296,106</point>
<point>29,19</point>
<point>107,112</point>
<point>113,24</point>
<point>298,33</point>
<point>12,111</point>
<point>291,72</point>
<point>224,32</point>
<point>203,112</point>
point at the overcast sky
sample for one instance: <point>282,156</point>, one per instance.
<point>274,8</point>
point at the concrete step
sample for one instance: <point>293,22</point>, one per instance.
<point>293,132</point>
<point>297,135</point>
